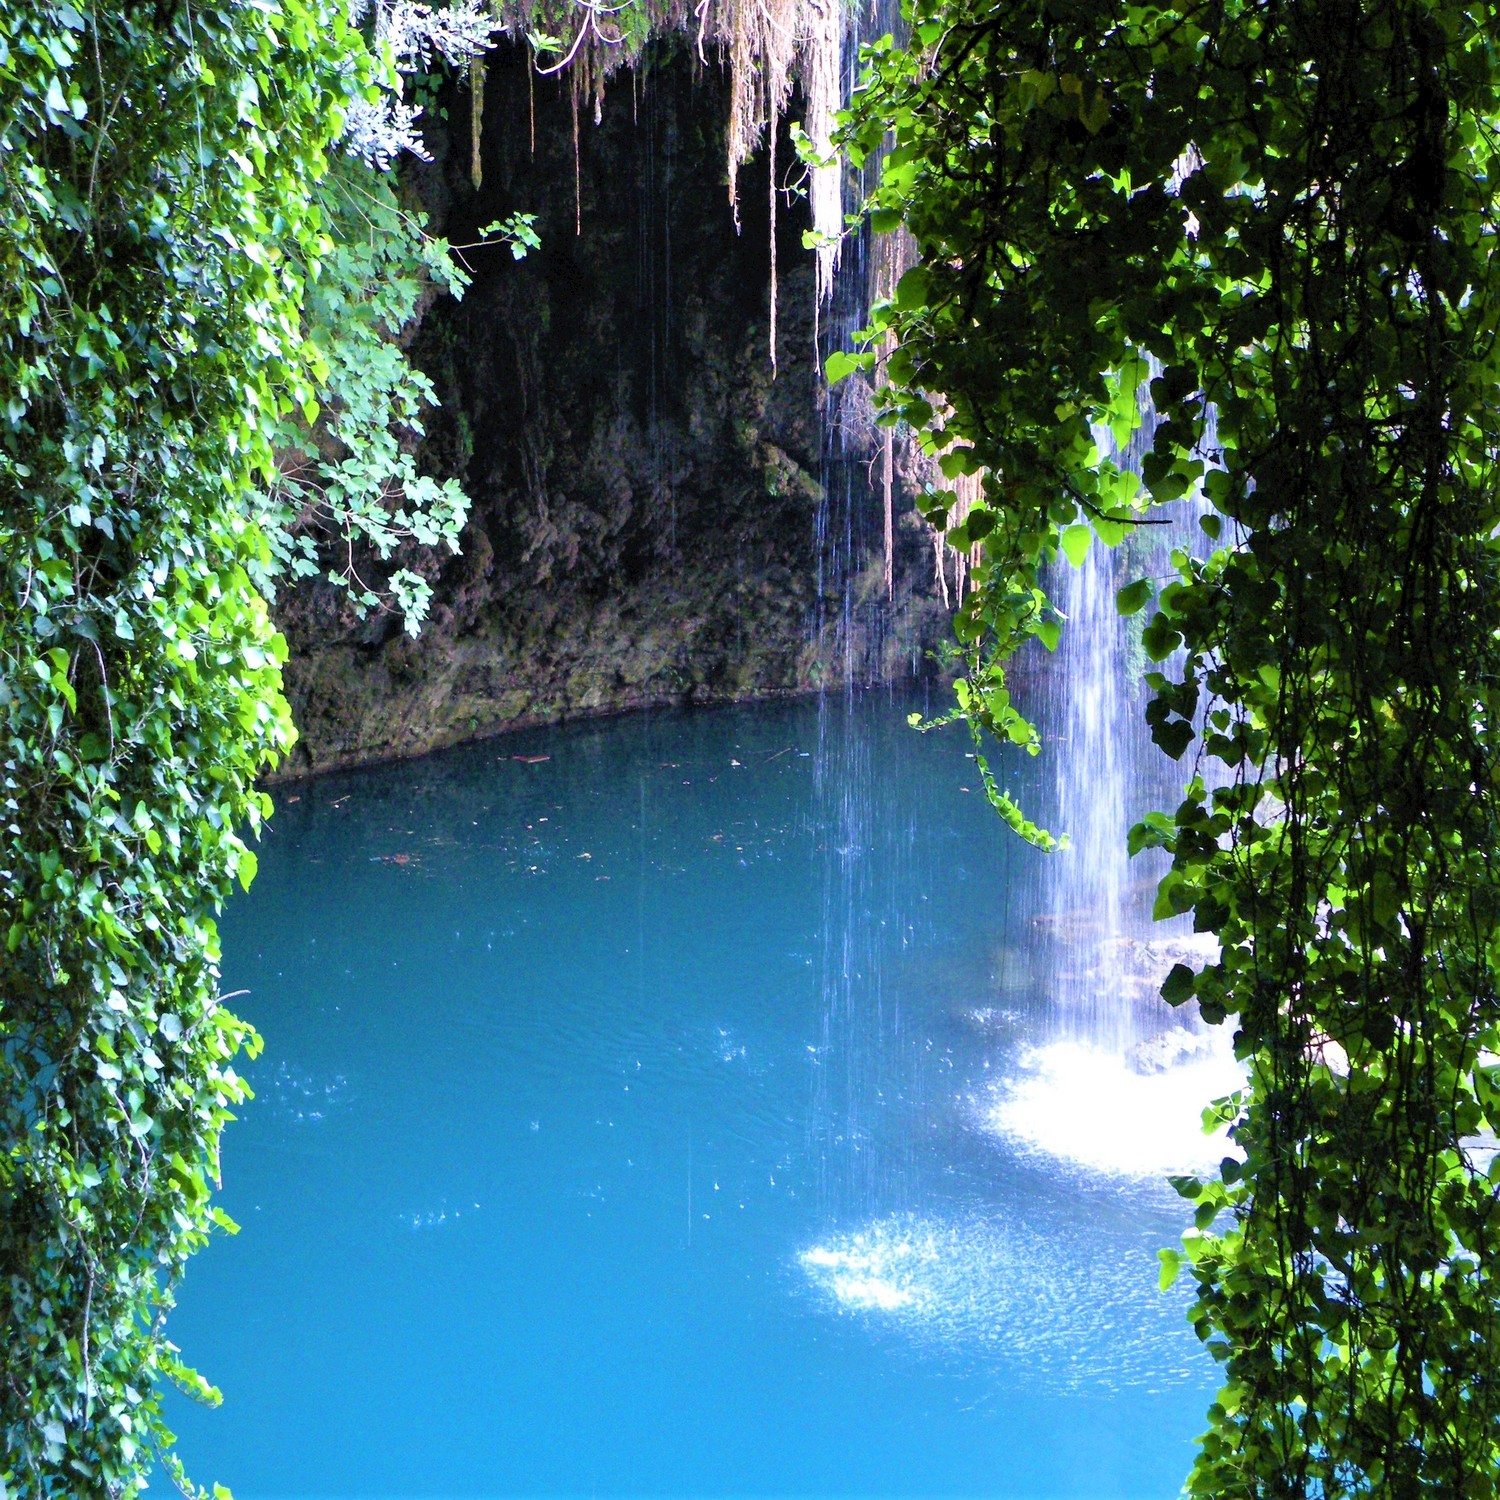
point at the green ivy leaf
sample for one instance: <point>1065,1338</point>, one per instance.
<point>1177,987</point>
<point>1075,541</point>
<point>840,365</point>
<point>1171,1265</point>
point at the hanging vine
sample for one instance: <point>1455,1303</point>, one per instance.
<point>1292,208</point>
<point>768,46</point>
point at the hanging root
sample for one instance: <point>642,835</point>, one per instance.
<point>577,170</point>
<point>771,172</point>
<point>888,463</point>
<point>476,120</point>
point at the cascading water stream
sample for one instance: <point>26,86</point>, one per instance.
<point>1121,1080</point>
<point>1091,758</point>
<point>1107,774</point>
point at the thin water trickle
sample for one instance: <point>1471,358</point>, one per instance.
<point>861,1172</point>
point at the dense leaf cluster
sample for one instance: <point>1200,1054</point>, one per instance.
<point>1290,210</point>
<point>156,167</point>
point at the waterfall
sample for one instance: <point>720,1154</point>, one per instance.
<point>1091,758</point>
<point>1105,1078</point>
<point>1118,1079</point>
<point>1107,774</point>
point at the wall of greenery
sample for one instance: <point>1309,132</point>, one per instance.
<point>158,172</point>
<point>1291,207</point>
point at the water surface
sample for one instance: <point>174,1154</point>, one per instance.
<point>663,1117</point>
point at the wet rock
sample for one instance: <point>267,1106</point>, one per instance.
<point>1170,1050</point>
<point>648,494</point>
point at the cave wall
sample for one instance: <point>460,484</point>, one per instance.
<point>648,497</point>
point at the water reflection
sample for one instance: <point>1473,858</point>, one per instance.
<point>1060,1309</point>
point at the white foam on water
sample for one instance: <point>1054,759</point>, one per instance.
<point>860,1291</point>
<point>874,1270</point>
<point>1089,1106</point>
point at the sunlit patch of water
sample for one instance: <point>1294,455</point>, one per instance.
<point>874,1270</point>
<point>1061,1309</point>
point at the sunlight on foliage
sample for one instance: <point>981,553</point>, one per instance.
<point>161,226</point>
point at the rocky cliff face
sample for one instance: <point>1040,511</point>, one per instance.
<point>649,497</point>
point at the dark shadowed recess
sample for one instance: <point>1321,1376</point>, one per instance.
<point>646,489</point>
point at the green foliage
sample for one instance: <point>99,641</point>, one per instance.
<point>347,482</point>
<point>346,498</point>
<point>1292,209</point>
<point>518,231</point>
<point>156,171</point>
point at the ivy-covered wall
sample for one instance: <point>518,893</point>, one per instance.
<point>646,494</point>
